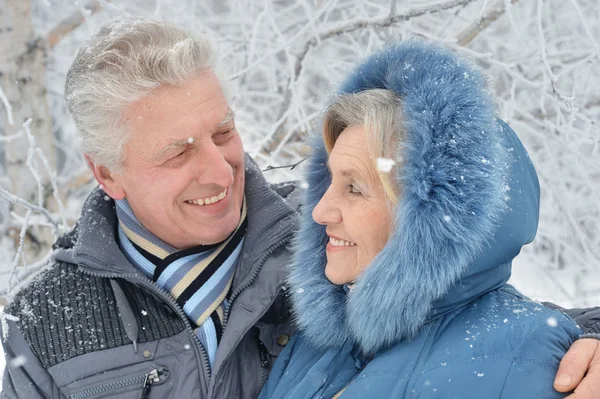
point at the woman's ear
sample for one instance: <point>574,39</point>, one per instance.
<point>106,179</point>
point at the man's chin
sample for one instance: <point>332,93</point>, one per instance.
<point>218,232</point>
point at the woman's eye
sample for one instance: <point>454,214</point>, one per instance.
<point>354,190</point>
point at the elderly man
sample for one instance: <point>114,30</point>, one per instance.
<point>171,283</point>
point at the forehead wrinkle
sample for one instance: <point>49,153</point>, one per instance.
<point>361,170</point>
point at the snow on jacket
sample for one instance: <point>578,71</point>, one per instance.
<point>77,321</point>
<point>432,315</point>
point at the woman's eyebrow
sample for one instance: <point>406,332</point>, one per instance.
<point>347,171</point>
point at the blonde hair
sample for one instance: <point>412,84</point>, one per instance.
<point>378,111</point>
<point>123,62</point>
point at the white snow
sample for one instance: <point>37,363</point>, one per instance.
<point>552,322</point>
<point>385,165</point>
<point>18,361</point>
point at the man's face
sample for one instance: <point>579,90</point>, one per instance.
<point>184,164</point>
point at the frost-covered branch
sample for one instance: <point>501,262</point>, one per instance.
<point>19,255</point>
<point>346,28</point>
<point>72,22</point>
<point>378,22</point>
<point>7,106</point>
<point>32,162</point>
<point>23,275</point>
<point>13,199</point>
<point>481,23</point>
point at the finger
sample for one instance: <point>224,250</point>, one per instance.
<point>590,385</point>
<point>574,364</point>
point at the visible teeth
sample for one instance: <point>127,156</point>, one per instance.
<point>340,243</point>
<point>209,200</point>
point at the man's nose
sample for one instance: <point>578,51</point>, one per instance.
<point>213,167</point>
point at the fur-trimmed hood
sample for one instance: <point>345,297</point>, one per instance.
<point>469,202</point>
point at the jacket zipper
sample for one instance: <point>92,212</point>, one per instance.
<point>331,376</point>
<point>165,295</point>
<point>152,378</point>
<point>254,275</point>
<point>264,375</point>
<point>147,381</point>
<point>248,283</point>
<point>263,354</point>
<point>337,395</point>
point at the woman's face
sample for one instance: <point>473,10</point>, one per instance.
<point>354,209</point>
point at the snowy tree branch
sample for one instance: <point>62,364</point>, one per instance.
<point>381,22</point>
<point>7,106</point>
<point>469,34</point>
<point>13,199</point>
<point>72,22</point>
<point>19,253</point>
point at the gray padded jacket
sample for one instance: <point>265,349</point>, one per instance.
<point>92,326</point>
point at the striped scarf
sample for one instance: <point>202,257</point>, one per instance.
<point>199,278</point>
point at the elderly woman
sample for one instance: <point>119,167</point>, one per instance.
<point>421,197</point>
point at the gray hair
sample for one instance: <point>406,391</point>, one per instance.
<point>123,62</point>
<point>379,112</point>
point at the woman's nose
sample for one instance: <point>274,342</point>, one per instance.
<point>327,211</point>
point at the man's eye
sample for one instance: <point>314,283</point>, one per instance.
<point>175,158</point>
<point>223,136</point>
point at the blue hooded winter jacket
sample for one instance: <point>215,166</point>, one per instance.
<point>432,315</point>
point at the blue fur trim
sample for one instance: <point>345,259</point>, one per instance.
<point>451,181</point>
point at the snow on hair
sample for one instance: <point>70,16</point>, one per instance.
<point>379,112</point>
<point>123,62</point>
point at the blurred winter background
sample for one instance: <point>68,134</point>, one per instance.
<point>285,58</point>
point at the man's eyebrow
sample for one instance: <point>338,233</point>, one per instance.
<point>227,119</point>
<point>170,146</point>
<point>182,143</point>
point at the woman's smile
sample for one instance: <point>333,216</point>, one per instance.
<point>338,244</point>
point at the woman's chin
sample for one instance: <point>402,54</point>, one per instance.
<point>336,278</point>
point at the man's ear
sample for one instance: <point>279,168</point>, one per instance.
<point>106,179</point>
